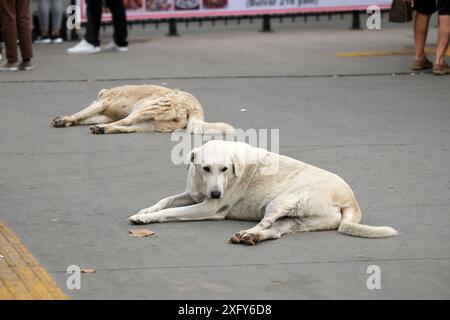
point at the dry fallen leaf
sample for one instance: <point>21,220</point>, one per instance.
<point>140,233</point>
<point>88,271</point>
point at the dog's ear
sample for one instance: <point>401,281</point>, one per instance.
<point>101,93</point>
<point>238,165</point>
<point>192,157</point>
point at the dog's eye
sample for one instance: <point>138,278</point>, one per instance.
<point>224,169</point>
<point>206,169</point>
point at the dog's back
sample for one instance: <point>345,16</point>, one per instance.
<point>137,92</point>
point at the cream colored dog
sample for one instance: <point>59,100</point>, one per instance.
<point>227,180</point>
<point>143,108</point>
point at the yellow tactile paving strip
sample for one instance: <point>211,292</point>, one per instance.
<point>384,53</point>
<point>21,276</point>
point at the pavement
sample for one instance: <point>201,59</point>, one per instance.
<point>386,131</point>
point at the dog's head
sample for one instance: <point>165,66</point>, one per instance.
<point>218,164</point>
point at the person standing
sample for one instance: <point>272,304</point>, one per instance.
<point>47,36</point>
<point>15,17</point>
<point>424,9</point>
<point>91,42</point>
<point>1,41</point>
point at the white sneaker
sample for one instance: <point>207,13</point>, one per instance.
<point>113,47</point>
<point>83,47</point>
<point>9,67</point>
<point>42,40</point>
<point>57,40</point>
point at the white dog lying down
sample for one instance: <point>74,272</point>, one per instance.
<point>143,108</point>
<point>226,180</point>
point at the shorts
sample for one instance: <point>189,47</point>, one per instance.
<point>428,7</point>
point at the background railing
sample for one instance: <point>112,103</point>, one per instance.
<point>279,9</point>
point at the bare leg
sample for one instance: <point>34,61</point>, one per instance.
<point>420,35</point>
<point>443,39</point>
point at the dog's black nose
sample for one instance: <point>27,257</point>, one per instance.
<point>215,194</point>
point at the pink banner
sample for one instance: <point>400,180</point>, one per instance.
<point>166,9</point>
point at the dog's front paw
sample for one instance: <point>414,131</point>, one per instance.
<point>97,130</point>
<point>60,122</point>
<point>139,219</point>
<point>142,217</point>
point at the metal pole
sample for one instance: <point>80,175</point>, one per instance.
<point>173,32</point>
<point>356,22</point>
<point>266,26</point>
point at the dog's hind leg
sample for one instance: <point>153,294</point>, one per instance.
<point>256,234</point>
<point>134,122</point>
<point>287,225</point>
<point>305,213</point>
<point>278,208</point>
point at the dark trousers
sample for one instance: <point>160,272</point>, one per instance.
<point>428,7</point>
<point>15,17</point>
<point>94,19</point>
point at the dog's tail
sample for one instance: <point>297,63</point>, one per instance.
<point>350,225</point>
<point>199,126</point>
